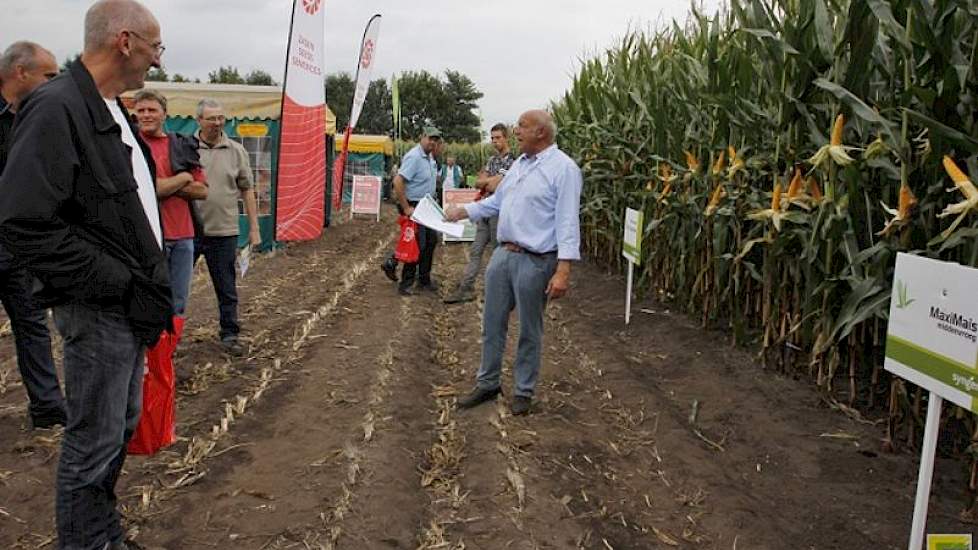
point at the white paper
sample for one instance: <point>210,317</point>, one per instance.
<point>244,259</point>
<point>430,215</point>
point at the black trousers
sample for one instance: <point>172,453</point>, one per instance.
<point>427,241</point>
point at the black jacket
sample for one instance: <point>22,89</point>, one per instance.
<point>69,207</point>
<point>184,153</point>
<point>6,131</point>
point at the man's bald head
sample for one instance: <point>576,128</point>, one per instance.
<point>535,131</point>
<point>24,66</point>
<point>543,119</point>
<point>107,18</point>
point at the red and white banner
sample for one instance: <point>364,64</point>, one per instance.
<point>368,50</point>
<point>299,205</point>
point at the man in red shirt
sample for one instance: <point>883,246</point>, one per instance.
<point>179,180</point>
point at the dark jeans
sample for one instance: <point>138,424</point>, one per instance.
<point>220,254</point>
<point>32,341</point>
<point>103,363</point>
<point>427,241</point>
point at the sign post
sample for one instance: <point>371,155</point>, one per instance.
<point>366,196</point>
<point>632,251</point>
<point>932,341</point>
<point>458,197</point>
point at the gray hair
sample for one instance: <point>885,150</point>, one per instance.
<point>207,103</point>
<point>107,18</point>
<point>551,128</point>
<point>22,53</point>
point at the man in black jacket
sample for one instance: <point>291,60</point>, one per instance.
<point>23,67</point>
<point>78,207</point>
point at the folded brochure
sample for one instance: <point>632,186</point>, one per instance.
<point>430,215</point>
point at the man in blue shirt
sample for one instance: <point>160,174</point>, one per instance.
<point>538,204</point>
<point>415,179</point>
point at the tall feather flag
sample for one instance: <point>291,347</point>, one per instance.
<point>368,49</point>
<point>301,183</point>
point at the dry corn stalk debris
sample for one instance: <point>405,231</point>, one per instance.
<point>189,468</point>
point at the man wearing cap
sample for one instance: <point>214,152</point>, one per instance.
<point>538,204</point>
<point>414,180</point>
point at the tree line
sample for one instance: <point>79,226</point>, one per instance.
<point>448,102</point>
<point>426,99</point>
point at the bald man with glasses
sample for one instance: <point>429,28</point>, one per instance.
<point>78,207</point>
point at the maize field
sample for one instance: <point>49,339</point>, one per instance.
<point>783,153</point>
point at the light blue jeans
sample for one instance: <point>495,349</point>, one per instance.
<point>514,280</point>
<point>180,260</point>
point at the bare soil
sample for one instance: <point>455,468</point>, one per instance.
<point>339,430</point>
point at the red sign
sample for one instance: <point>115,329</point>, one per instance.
<point>366,195</point>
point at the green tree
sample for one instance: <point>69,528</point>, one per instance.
<point>179,78</point>
<point>225,75</point>
<point>458,122</point>
<point>339,97</point>
<point>375,118</point>
<point>157,75</point>
<point>423,101</point>
<point>69,60</point>
<point>259,77</point>
<point>376,115</point>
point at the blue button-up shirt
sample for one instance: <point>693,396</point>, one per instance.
<point>538,203</point>
<point>418,171</point>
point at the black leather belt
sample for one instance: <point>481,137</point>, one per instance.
<point>513,247</point>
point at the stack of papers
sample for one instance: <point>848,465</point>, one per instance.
<point>430,215</point>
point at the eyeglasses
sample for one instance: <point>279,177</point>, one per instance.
<point>217,119</point>
<point>159,47</point>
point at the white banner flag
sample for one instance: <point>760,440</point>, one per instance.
<point>367,50</point>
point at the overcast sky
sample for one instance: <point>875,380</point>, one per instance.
<point>520,53</point>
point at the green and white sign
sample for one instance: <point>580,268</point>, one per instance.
<point>634,227</point>
<point>949,542</point>
<point>932,338</point>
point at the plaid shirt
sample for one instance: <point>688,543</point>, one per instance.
<point>498,165</point>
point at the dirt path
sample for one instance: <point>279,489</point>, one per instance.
<point>339,431</point>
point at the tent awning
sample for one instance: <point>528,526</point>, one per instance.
<point>360,143</point>
<point>239,101</point>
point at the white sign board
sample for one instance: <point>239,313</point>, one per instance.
<point>932,339</point>
<point>634,228</point>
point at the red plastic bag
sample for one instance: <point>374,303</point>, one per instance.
<point>157,425</point>
<point>407,246</point>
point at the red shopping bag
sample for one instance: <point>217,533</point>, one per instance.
<point>157,425</point>
<point>407,246</point>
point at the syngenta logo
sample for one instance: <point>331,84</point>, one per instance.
<point>903,296</point>
<point>954,319</point>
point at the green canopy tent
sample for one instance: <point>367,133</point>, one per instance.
<point>253,120</point>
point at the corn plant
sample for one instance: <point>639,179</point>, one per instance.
<point>783,152</point>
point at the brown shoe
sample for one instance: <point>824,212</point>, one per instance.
<point>477,397</point>
<point>521,405</point>
<point>459,296</point>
